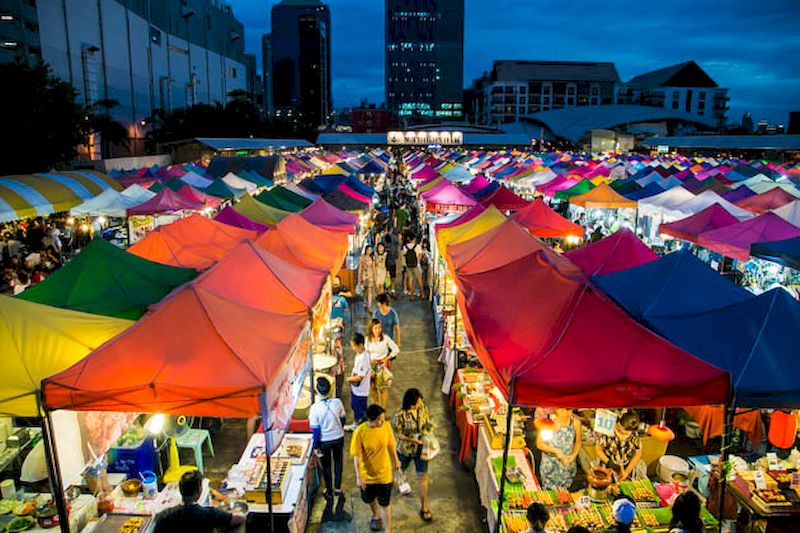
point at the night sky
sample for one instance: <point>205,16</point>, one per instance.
<point>750,46</point>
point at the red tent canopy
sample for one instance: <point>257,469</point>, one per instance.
<point>504,199</point>
<point>689,229</point>
<point>300,242</point>
<point>771,199</point>
<point>735,240</point>
<point>567,345</point>
<point>165,201</point>
<point>541,221</point>
<point>324,215</point>
<point>498,246</point>
<point>194,242</point>
<point>197,353</point>
<point>196,195</point>
<point>619,251</point>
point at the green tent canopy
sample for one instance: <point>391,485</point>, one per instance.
<point>284,199</point>
<point>105,280</point>
<point>157,186</point>
<point>581,187</point>
<point>221,189</point>
<point>176,184</point>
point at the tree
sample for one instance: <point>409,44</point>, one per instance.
<point>98,120</point>
<point>44,124</point>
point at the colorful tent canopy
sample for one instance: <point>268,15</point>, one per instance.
<point>301,242</point>
<point>266,166</point>
<point>196,180</point>
<point>734,241</point>
<point>616,252</point>
<point>111,203</point>
<point>259,211</point>
<point>293,187</point>
<point>339,199</point>
<point>673,285</point>
<point>772,199</point>
<point>26,196</point>
<point>602,196</point>
<point>456,219</point>
<point>231,217</point>
<point>561,354</point>
<point>430,184</point>
<point>38,341</point>
<point>785,252</point>
<point>165,201</point>
<point>199,196</point>
<point>667,204</point>
<point>755,340</point>
<point>582,187</point>
<point>104,280</point>
<point>355,195</point>
<point>198,353</point>
<point>708,198</point>
<point>193,242</point>
<point>543,222</point>
<point>689,229</point>
<point>284,199</point>
<point>322,214</point>
<point>739,193</point>
<point>135,195</point>
<point>504,200</point>
<point>235,182</point>
<point>222,190</point>
<point>489,218</point>
<point>446,197</point>
<point>475,184</point>
<point>486,191</point>
<point>790,212</point>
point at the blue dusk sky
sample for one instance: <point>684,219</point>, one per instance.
<point>751,47</point>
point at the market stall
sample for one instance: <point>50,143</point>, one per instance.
<point>619,251</point>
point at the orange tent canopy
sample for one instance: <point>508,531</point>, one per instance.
<point>543,222</point>
<point>499,246</point>
<point>298,241</point>
<point>253,276</point>
<point>602,196</point>
<point>193,242</point>
<point>198,353</point>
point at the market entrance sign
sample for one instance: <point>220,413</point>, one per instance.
<point>444,138</point>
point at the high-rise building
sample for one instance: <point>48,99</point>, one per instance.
<point>424,59</point>
<point>794,123</point>
<point>517,88</point>
<point>19,31</point>
<point>266,69</point>
<point>684,87</point>
<point>301,59</point>
<point>143,54</point>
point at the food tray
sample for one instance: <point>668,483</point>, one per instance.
<point>288,442</point>
<point>112,523</point>
<point>640,490</point>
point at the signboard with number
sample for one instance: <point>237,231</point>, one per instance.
<point>795,480</point>
<point>604,421</point>
<point>583,502</point>
<point>772,461</point>
<point>761,482</point>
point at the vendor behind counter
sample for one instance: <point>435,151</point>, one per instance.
<point>191,517</point>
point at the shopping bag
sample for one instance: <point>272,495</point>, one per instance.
<point>430,447</point>
<point>383,377</point>
<point>402,484</point>
<point>359,289</point>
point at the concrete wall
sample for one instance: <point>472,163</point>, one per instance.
<point>130,163</point>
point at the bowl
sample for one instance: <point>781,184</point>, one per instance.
<point>131,487</point>
<point>599,478</point>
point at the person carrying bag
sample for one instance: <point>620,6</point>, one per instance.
<point>413,429</point>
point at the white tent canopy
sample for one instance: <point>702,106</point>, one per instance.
<point>708,198</point>
<point>790,212</point>
<point>300,191</point>
<point>135,195</point>
<point>238,183</point>
<point>764,186</point>
<point>196,180</point>
<point>111,203</point>
<point>666,204</point>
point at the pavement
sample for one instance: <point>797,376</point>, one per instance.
<point>454,500</point>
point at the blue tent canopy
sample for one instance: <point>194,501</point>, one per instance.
<point>309,185</point>
<point>674,285</point>
<point>360,187</point>
<point>326,183</point>
<point>755,340</point>
<point>372,168</point>
<point>785,252</point>
<point>489,189</point>
<point>651,189</point>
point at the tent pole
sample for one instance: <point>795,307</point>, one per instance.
<point>265,428</point>
<point>506,446</point>
<point>729,416</point>
<point>54,471</point>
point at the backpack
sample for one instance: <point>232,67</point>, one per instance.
<point>411,256</point>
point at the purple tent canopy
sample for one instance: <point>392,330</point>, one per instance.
<point>734,241</point>
<point>475,184</point>
<point>233,218</point>
<point>739,193</point>
<point>321,213</point>
<point>689,229</point>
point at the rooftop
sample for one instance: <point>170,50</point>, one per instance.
<point>513,70</point>
<point>729,142</point>
<point>687,74</point>
<point>220,144</point>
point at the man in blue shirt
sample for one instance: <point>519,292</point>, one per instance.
<point>388,317</point>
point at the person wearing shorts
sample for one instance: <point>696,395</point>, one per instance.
<point>373,448</point>
<point>359,380</point>
<point>410,423</point>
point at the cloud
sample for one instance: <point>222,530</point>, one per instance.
<point>753,48</point>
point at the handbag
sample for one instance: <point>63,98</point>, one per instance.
<point>430,447</point>
<point>402,484</point>
<point>383,377</point>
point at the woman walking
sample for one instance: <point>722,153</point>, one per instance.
<point>366,275</point>
<point>558,467</point>
<point>382,349</point>
<point>381,273</point>
<point>410,423</point>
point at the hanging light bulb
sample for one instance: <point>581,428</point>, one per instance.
<point>546,428</point>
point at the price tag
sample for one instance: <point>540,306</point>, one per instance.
<point>772,460</point>
<point>583,502</point>
<point>758,477</point>
<point>795,480</point>
<point>604,421</point>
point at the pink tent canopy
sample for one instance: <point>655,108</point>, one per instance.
<point>475,184</point>
<point>734,241</point>
<point>196,195</point>
<point>321,213</point>
<point>446,196</point>
<point>463,218</point>
<point>556,184</point>
<point>689,229</point>
<point>620,251</point>
<point>426,173</point>
<point>353,194</point>
<point>771,199</point>
<point>165,201</point>
<point>233,218</point>
<point>504,200</point>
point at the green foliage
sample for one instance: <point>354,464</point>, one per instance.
<point>43,123</point>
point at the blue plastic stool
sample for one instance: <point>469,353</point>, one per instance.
<point>194,439</point>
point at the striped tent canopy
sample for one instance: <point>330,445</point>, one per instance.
<point>34,195</point>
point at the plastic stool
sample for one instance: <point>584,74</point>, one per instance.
<point>194,439</point>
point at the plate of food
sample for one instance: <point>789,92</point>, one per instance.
<point>20,523</point>
<point>6,506</point>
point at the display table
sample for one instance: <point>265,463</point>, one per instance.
<point>83,509</point>
<point>710,420</point>
<point>467,427</point>
<point>9,455</point>
<point>292,513</point>
<point>763,517</point>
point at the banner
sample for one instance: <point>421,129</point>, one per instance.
<point>139,227</point>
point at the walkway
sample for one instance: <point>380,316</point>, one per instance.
<point>453,491</point>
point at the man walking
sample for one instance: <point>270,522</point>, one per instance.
<point>374,452</point>
<point>359,380</point>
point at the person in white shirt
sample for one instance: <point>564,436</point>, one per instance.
<point>359,380</point>
<point>382,349</point>
<point>326,418</point>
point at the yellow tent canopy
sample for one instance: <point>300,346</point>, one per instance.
<point>335,170</point>
<point>431,184</point>
<point>484,222</point>
<point>260,212</point>
<point>38,341</point>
